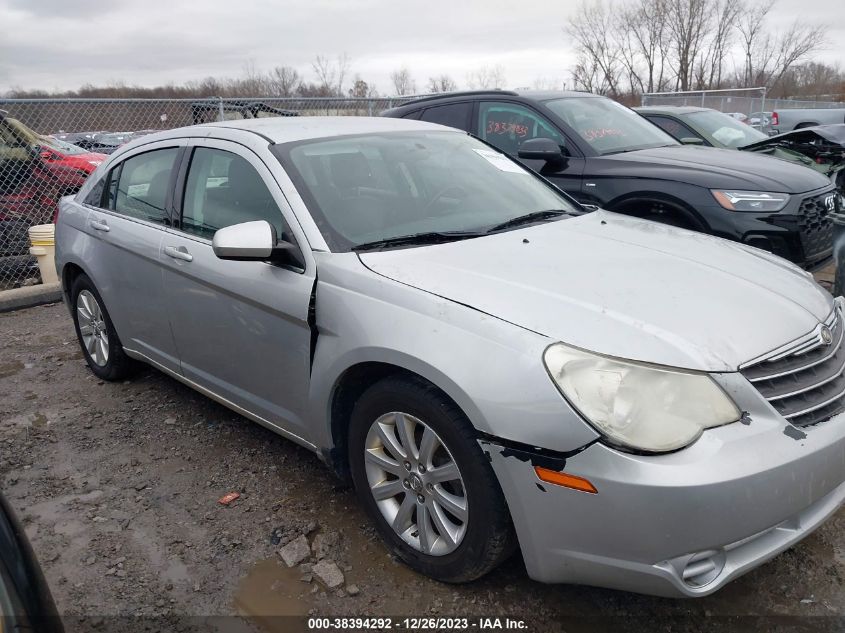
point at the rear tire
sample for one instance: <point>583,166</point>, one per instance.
<point>412,447</point>
<point>96,334</point>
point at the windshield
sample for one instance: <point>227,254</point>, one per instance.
<point>607,126</point>
<point>367,188</point>
<point>723,130</point>
<point>61,146</point>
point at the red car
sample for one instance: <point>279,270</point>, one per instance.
<point>56,153</point>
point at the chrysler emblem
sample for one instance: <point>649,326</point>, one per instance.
<point>826,335</point>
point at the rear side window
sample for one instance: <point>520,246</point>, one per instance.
<point>142,185</point>
<point>454,115</point>
<point>224,189</point>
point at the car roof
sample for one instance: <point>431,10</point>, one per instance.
<point>464,95</point>
<point>670,109</point>
<point>285,129</point>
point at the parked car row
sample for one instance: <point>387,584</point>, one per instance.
<point>495,364</point>
<point>604,154</point>
<point>821,148</point>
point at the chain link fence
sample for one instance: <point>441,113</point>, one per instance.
<point>749,102</point>
<point>49,146</point>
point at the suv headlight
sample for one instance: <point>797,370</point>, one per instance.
<point>759,201</point>
<point>636,405</point>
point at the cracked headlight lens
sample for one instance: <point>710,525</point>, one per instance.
<point>636,405</point>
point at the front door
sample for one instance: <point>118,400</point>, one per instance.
<point>506,125</point>
<point>241,327</point>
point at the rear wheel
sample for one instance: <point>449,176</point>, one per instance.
<point>95,331</point>
<point>423,479</point>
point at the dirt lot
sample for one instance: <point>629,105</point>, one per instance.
<point>118,486</point>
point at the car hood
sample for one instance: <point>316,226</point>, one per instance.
<point>623,287</point>
<point>715,169</point>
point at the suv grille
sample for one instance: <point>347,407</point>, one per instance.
<point>815,225</point>
<point>805,382</point>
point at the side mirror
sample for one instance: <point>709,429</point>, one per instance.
<point>692,140</point>
<point>542,149</point>
<point>254,241</point>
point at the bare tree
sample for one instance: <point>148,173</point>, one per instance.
<point>361,89</point>
<point>768,58</point>
<point>487,78</point>
<point>441,83</point>
<point>284,81</point>
<point>331,73</point>
<point>646,24</point>
<point>403,83</point>
<point>689,23</point>
<point>593,34</point>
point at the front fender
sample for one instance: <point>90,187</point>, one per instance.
<point>492,369</point>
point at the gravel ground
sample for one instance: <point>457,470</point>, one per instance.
<point>118,487</point>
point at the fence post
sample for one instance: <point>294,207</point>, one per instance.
<point>220,107</point>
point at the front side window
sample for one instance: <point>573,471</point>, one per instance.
<point>142,185</point>
<point>375,187</point>
<point>608,127</point>
<point>224,189</point>
<point>507,125</point>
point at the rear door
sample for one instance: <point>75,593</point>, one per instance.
<point>128,226</point>
<point>506,125</point>
<point>241,327</point>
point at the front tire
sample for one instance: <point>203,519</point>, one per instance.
<point>96,334</point>
<point>425,483</point>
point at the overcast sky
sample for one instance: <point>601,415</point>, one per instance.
<point>62,44</point>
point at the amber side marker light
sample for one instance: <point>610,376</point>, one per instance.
<point>565,480</point>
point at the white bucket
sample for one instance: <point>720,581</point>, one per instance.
<point>43,240</point>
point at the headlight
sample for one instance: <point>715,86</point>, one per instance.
<point>639,406</point>
<point>759,201</point>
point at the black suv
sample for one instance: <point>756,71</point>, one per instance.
<point>604,154</point>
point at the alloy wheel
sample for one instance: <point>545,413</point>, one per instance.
<point>416,483</point>
<point>92,328</point>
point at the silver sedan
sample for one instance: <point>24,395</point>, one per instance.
<point>628,404</point>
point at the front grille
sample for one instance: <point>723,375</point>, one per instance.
<point>815,225</point>
<point>805,381</point>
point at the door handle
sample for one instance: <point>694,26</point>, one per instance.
<point>178,252</point>
<point>99,225</point>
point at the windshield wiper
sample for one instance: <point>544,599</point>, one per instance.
<point>528,218</point>
<point>432,237</point>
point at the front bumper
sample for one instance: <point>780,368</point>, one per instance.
<point>681,524</point>
<point>801,233</point>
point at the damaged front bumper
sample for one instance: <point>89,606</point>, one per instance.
<point>681,524</point>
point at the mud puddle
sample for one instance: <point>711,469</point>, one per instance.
<point>270,591</point>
